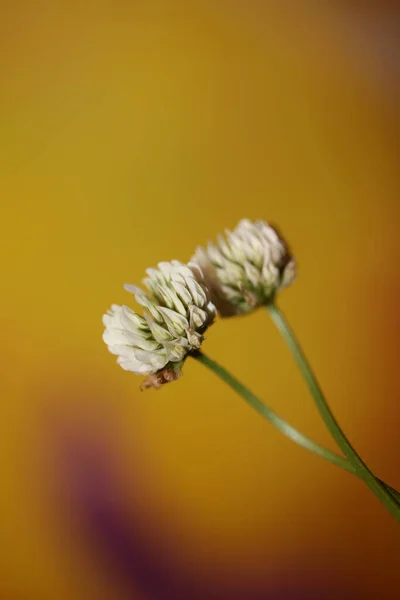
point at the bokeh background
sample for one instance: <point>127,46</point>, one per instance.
<point>131,132</point>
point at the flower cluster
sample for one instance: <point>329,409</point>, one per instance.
<point>177,311</point>
<point>244,270</point>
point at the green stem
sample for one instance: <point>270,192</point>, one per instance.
<point>271,416</point>
<point>376,486</point>
<point>280,424</point>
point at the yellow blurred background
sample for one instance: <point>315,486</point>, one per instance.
<point>131,132</point>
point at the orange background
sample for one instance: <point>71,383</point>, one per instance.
<point>131,132</point>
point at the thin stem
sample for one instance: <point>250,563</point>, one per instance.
<point>375,485</point>
<point>277,421</point>
<point>271,416</point>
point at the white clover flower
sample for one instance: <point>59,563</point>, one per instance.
<point>246,268</point>
<point>177,311</point>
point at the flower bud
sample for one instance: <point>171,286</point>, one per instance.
<point>246,268</point>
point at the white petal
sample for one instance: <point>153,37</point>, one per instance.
<point>156,275</point>
<point>270,276</point>
<point>159,333</point>
<point>236,246</point>
<point>112,335</point>
<point>197,292</point>
<point>214,255</point>
<point>197,317</point>
<point>183,293</point>
<point>194,339</point>
<point>170,298</point>
<point>132,364</point>
<point>195,266</point>
<point>143,300</point>
<point>122,336</point>
<point>244,224</point>
<point>252,274</point>
<point>150,284</point>
<point>132,289</point>
<point>164,296</point>
<point>177,349</point>
<point>157,359</point>
<point>166,268</point>
<point>112,316</point>
<point>176,323</point>
<point>230,274</point>
<point>132,320</point>
<point>177,302</point>
<point>121,349</point>
<point>180,270</point>
<point>224,247</point>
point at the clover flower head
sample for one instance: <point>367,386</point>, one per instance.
<point>177,312</point>
<point>246,267</point>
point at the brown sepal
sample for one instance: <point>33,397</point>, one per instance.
<point>160,378</point>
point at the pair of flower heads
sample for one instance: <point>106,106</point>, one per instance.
<point>243,270</point>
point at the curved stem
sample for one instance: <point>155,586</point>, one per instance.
<point>376,486</point>
<point>277,421</point>
<point>271,416</point>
